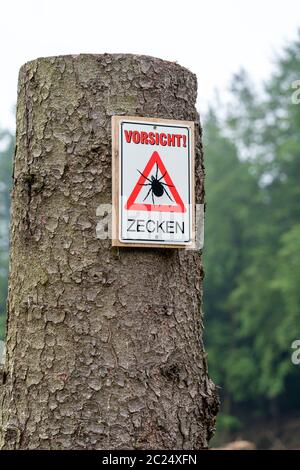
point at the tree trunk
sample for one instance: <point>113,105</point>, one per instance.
<point>104,345</point>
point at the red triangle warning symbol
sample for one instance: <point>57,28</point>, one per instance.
<point>156,188</point>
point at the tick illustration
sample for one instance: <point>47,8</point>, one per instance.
<point>157,187</point>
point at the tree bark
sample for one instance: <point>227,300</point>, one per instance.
<point>104,345</point>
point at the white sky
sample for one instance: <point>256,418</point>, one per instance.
<point>213,38</point>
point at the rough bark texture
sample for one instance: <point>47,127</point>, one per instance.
<point>104,345</point>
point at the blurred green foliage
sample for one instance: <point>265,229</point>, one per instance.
<point>252,250</point>
<point>6,153</point>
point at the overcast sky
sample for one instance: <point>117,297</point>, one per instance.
<point>213,38</point>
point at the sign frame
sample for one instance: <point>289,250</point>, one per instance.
<point>116,174</point>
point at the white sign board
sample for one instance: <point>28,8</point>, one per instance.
<point>153,182</point>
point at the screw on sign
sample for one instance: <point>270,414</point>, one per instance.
<point>153,182</point>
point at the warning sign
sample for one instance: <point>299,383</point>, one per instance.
<point>153,179</point>
<point>159,183</point>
